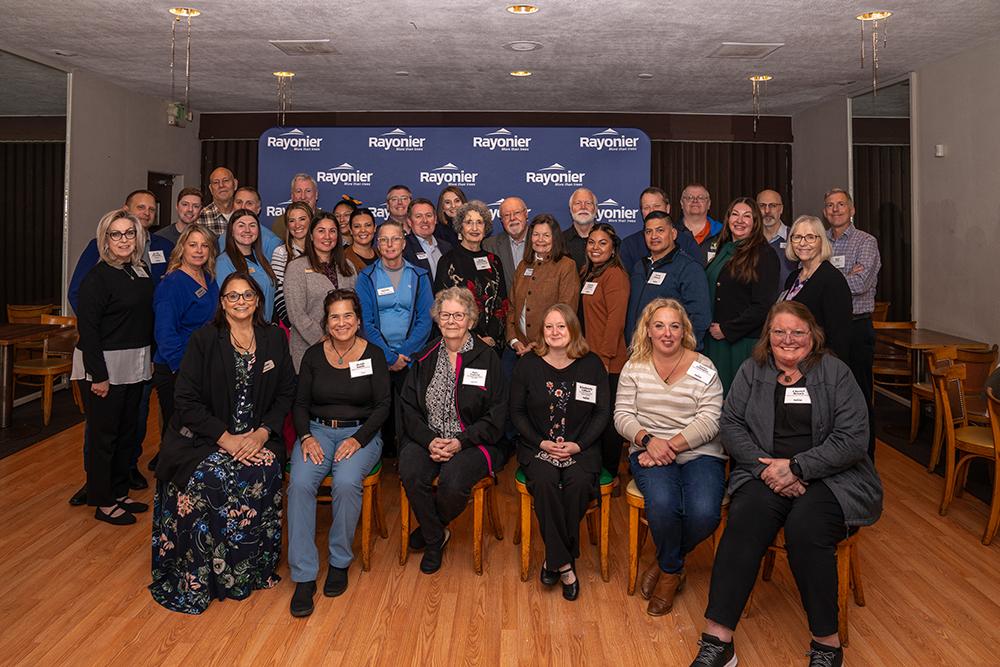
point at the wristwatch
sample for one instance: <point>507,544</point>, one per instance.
<point>645,439</point>
<point>796,469</point>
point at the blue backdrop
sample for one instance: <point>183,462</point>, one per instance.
<point>541,165</point>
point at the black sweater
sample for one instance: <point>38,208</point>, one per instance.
<point>828,297</point>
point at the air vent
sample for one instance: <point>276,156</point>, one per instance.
<point>745,50</point>
<point>306,47</point>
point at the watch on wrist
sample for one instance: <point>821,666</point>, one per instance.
<point>796,469</point>
<point>645,439</point>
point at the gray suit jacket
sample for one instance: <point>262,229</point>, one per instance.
<point>499,245</point>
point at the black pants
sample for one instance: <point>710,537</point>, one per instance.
<point>393,426</point>
<point>611,440</point>
<point>164,380</point>
<point>560,510</point>
<point>456,477</point>
<point>111,423</point>
<point>814,524</point>
<point>862,361</point>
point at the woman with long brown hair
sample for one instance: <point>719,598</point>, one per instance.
<point>243,254</point>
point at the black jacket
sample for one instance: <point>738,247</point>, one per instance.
<point>828,297</point>
<point>205,395</point>
<point>741,308</point>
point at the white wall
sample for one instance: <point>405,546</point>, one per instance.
<point>957,208</point>
<point>115,137</point>
<point>820,155</point>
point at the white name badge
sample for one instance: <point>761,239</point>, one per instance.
<point>268,365</point>
<point>528,272</point>
<point>711,255</point>
<point>475,377</point>
<point>201,292</point>
<point>386,291</point>
<point>482,263</point>
<point>156,257</point>
<point>838,261</point>
<point>586,392</point>
<point>589,288</point>
<point>797,395</point>
<point>782,245</point>
<point>656,278</point>
<point>360,368</point>
<point>421,255</point>
<point>701,372</point>
<point>141,272</point>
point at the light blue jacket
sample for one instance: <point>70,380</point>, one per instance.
<point>397,320</point>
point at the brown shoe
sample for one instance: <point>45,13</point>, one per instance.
<point>649,579</point>
<point>662,599</point>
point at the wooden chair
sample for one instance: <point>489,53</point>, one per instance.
<point>28,315</point>
<point>924,391</point>
<point>881,311</point>
<point>638,527</point>
<point>979,364</point>
<point>371,509</point>
<point>482,499</point>
<point>971,441</point>
<point>891,360</point>
<point>522,532</point>
<point>49,367</point>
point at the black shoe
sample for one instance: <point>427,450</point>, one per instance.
<point>336,582</point>
<point>570,591</point>
<point>151,466</point>
<point>715,653</point>
<point>302,598</point>
<point>136,480</point>
<point>132,506</point>
<point>549,577</point>
<point>821,655</point>
<point>80,497</point>
<point>417,541</point>
<point>123,519</point>
<point>431,562</point>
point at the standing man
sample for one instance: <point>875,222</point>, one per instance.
<point>856,254</point>
<point>776,232</point>
<point>397,203</point>
<point>695,202</point>
<point>583,210</point>
<point>304,189</point>
<point>422,248</point>
<point>215,216</point>
<point>508,245</point>
<point>633,247</point>
<point>188,207</point>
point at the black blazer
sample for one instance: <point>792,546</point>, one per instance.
<point>413,247</point>
<point>828,297</point>
<point>205,395</point>
<point>740,309</point>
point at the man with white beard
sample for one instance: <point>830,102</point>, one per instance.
<point>583,210</point>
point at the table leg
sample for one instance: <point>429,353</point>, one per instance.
<point>7,353</point>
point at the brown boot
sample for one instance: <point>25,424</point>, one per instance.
<point>649,579</point>
<point>662,599</point>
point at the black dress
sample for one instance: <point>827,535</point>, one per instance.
<point>482,273</point>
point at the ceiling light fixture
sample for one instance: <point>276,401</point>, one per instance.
<point>645,76</point>
<point>874,17</point>
<point>522,46</point>
<point>402,73</point>
<point>284,94</point>
<point>522,9</point>
<point>520,73</point>
<point>757,81</point>
<point>179,13</point>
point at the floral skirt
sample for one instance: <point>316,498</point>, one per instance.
<point>218,538</point>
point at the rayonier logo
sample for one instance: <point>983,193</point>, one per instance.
<point>275,211</point>
<point>345,174</point>
<point>504,140</point>
<point>296,140</point>
<point>610,139</point>
<point>556,174</point>
<point>611,211</point>
<point>397,139</point>
<point>449,174</point>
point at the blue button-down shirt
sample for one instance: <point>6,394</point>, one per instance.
<point>859,249</point>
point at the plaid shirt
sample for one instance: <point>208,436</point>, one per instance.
<point>858,248</point>
<point>212,218</point>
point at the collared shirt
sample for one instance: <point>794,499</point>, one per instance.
<point>433,253</point>
<point>516,251</point>
<point>214,219</point>
<point>779,242</point>
<point>858,248</point>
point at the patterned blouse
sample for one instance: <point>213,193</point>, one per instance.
<point>442,413</point>
<point>559,393</point>
<point>243,409</point>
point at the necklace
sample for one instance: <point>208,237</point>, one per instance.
<point>239,346</point>
<point>680,357</point>
<point>787,378</point>
<point>340,361</point>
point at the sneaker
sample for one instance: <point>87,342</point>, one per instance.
<point>821,655</point>
<point>715,653</point>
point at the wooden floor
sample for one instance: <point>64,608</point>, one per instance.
<point>73,592</point>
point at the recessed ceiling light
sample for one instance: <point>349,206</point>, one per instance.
<point>402,73</point>
<point>522,46</point>
<point>284,74</point>
<point>520,73</point>
<point>645,76</point>
<point>874,16</point>
<point>65,54</point>
<point>522,9</point>
<point>184,11</point>
<point>305,47</point>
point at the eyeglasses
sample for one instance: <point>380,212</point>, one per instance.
<point>233,297</point>
<point>458,317</point>
<point>780,334</point>
<point>808,238</point>
<point>398,200</point>
<point>769,206</point>
<point>117,236</point>
<point>506,217</point>
<point>690,198</point>
<point>390,240</point>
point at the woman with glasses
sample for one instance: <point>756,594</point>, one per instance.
<point>362,252</point>
<point>449,201</point>
<point>297,217</point>
<point>796,427</point>
<point>320,269</point>
<point>819,285</point>
<point>112,360</point>
<point>742,285</point>
<point>454,405</point>
<point>243,254</point>
<point>468,265</point>
<point>217,514</point>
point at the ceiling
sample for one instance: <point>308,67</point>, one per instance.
<point>454,52</point>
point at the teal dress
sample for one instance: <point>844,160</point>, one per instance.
<point>727,356</point>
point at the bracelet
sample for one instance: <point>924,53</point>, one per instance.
<point>306,437</point>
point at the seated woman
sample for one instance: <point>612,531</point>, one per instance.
<point>560,404</point>
<point>341,402</point>
<point>217,513</point>
<point>668,407</point>
<point>796,426</point>
<point>454,405</point>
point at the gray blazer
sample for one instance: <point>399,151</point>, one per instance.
<point>840,434</point>
<point>499,245</point>
<point>305,291</point>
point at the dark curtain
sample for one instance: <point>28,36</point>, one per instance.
<point>882,208</point>
<point>237,155</point>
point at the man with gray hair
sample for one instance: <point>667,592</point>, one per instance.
<point>695,202</point>
<point>776,232</point>
<point>223,185</point>
<point>583,210</point>
<point>304,189</point>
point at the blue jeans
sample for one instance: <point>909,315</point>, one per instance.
<point>345,493</point>
<point>683,505</point>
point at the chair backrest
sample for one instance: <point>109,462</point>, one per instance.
<point>62,343</point>
<point>27,314</point>
<point>939,357</point>
<point>894,325</point>
<point>948,385</point>
<point>993,406</point>
<point>979,364</point>
<point>881,311</point>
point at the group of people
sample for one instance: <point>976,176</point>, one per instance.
<point>431,339</point>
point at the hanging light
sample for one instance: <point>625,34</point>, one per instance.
<point>874,17</point>
<point>757,81</point>
<point>179,13</point>
<point>284,94</point>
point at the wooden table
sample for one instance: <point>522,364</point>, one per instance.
<point>9,335</point>
<point>923,339</point>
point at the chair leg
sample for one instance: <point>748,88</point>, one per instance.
<point>605,534</point>
<point>47,399</point>
<point>938,440</point>
<point>524,535</point>
<point>633,547</point>
<point>915,405</point>
<point>404,522</point>
<point>856,581</point>
<point>76,395</point>
<point>366,528</point>
<point>491,507</point>
<point>843,582</point>
<point>592,527</point>
<point>380,523</point>
<point>477,531</point>
<point>949,477</point>
<point>991,526</point>
<point>963,475</point>
<point>768,567</point>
